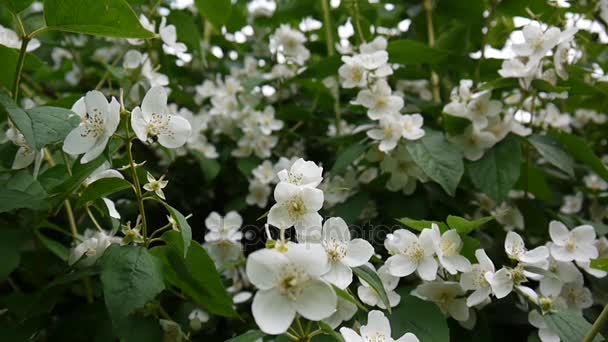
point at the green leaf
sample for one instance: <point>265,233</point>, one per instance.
<point>102,188</point>
<point>16,6</point>
<point>580,150</point>
<point>553,152</point>
<point>439,159</point>
<point>344,294</point>
<point>600,264</point>
<point>497,172</point>
<point>569,326</point>
<point>246,165</point>
<point>347,157</point>
<point>109,18</point>
<point>406,51</point>
<point>373,280</point>
<point>80,172</point>
<point>40,126</point>
<point>499,83</point>
<point>53,246</point>
<point>216,11</point>
<point>327,330</point>
<point>131,277</point>
<point>547,87</point>
<point>464,226</point>
<point>249,336</point>
<point>185,231</point>
<point>422,318</point>
<point>22,191</point>
<point>195,275</point>
<point>11,242</point>
<point>419,225</point>
<point>454,125</point>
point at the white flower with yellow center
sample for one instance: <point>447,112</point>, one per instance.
<point>156,185</point>
<point>411,253</point>
<point>447,248</point>
<point>342,252</point>
<point>379,100</point>
<point>390,130</point>
<point>476,279</point>
<point>289,283</point>
<point>297,206</point>
<point>516,250</point>
<point>302,173</point>
<point>448,296</point>
<point>352,73</point>
<point>99,120</point>
<point>377,329</point>
<point>224,228</point>
<point>153,121</point>
<point>575,245</point>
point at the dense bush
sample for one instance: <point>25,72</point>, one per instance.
<point>441,163</point>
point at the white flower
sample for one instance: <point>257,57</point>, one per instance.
<point>473,142</point>
<point>509,216</point>
<point>373,61</point>
<point>156,185</point>
<point>156,79</point>
<point>289,283</point>
<point>537,42</point>
<point>352,73</point>
<point>378,44</point>
<point>25,154</point>
<point>258,193</point>
<point>344,312</point>
<point>602,247</point>
<point>171,46</point>
<point>447,248</point>
<point>104,171</point>
<point>481,107</point>
<point>197,317</point>
<point>343,253</point>
<point>594,182</point>
<point>377,329</point>
<point>9,38</point>
<point>562,272</point>
<point>132,59</point>
<point>516,250</point>
<point>405,173</point>
<point>447,295</point>
<point>389,132</point>
<point>411,253</point>
<point>560,58</point>
<point>290,43</point>
<point>505,279</point>
<point>224,228</point>
<point>297,206</point>
<point>267,122</point>
<point>370,297</point>
<point>577,244</point>
<point>476,279</point>
<point>572,204</point>
<point>379,100</point>
<point>576,295</point>
<point>153,120</point>
<point>264,172</point>
<point>412,126</point>
<point>99,120</point>
<point>514,68</point>
<point>93,246</point>
<point>302,173</point>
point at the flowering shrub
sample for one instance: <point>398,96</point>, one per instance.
<point>210,170</point>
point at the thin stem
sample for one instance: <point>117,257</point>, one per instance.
<point>300,327</point>
<point>39,31</point>
<point>138,193</point>
<point>106,75</point>
<point>357,19</point>
<point>19,25</point>
<point>597,325</point>
<point>20,62</point>
<point>93,219</point>
<point>428,7</point>
<point>329,40</point>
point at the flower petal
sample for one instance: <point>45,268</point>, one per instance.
<point>272,312</point>
<point>359,252</point>
<point>317,301</point>
<point>264,266</point>
<point>155,101</point>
